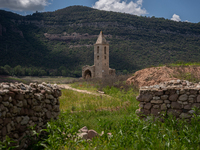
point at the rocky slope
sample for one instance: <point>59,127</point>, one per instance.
<point>156,75</point>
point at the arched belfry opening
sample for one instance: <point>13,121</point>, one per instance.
<point>87,74</point>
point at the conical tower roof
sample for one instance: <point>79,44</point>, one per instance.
<point>101,39</point>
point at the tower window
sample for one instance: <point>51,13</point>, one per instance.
<point>97,57</point>
<point>105,57</point>
<point>104,50</point>
<point>97,49</point>
<point>105,64</point>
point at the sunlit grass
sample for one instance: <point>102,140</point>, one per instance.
<point>85,86</point>
<point>117,117</point>
<point>74,101</point>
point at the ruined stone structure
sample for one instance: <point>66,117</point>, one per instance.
<point>100,68</point>
<point>176,97</point>
<point>23,106</point>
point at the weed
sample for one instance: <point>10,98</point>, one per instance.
<point>7,144</point>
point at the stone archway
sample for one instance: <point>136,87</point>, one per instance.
<point>87,74</point>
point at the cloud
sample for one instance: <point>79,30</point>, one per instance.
<point>24,5</point>
<point>176,18</point>
<point>121,6</point>
<point>187,21</point>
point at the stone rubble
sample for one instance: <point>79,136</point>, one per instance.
<point>86,134</point>
<point>23,106</point>
<point>176,97</point>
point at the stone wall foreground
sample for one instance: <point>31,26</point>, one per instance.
<point>176,97</point>
<point>23,106</point>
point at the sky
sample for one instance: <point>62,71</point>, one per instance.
<point>176,10</point>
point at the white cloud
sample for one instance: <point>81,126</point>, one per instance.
<point>176,17</point>
<point>187,21</point>
<point>121,6</point>
<point>24,5</point>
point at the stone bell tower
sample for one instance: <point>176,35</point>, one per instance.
<point>101,56</point>
<point>100,69</point>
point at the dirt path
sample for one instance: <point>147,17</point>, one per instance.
<point>67,86</point>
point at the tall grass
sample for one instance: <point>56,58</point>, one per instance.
<point>115,114</point>
<point>128,131</point>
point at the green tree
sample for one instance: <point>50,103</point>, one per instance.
<point>8,69</point>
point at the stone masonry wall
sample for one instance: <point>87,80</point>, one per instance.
<point>23,106</point>
<point>176,97</point>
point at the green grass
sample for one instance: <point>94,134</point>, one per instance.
<point>180,63</point>
<point>128,131</point>
<point>85,86</point>
<point>74,101</point>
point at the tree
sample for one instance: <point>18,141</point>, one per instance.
<point>8,69</point>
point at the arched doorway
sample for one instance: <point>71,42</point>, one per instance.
<point>87,74</point>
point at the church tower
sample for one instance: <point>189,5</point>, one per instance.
<point>101,57</point>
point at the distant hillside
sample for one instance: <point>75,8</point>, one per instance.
<point>61,42</point>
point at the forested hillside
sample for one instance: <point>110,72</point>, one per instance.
<point>61,42</point>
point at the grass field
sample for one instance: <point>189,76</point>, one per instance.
<point>115,114</point>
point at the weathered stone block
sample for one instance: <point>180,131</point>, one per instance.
<point>141,105</point>
<point>164,97</point>
<point>155,112</point>
<point>163,107</point>
<point>20,104</point>
<point>183,97</point>
<point>156,98</point>
<point>142,112</point>
<point>12,94</point>
<point>6,121</point>
<point>47,101</point>
<point>4,131</point>
<point>173,97</point>
<point>19,96</point>
<point>182,91</point>
<point>37,108</point>
<point>5,97</point>
<point>174,112</point>
<point>2,92</point>
<point>24,103</point>
<point>48,114</point>
<point>157,101</point>
<point>57,109</point>
<point>197,105</point>
<point>25,120</point>
<point>146,106</point>
<point>189,106</point>
<point>144,98</point>
<point>167,101</point>
<point>193,92</point>
<point>92,134</point>
<point>176,105</point>
<point>198,98</point>
<point>159,93</point>
<point>39,96</point>
<point>5,104</point>
<point>156,106</point>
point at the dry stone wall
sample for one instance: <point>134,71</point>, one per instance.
<point>23,106</point>
<point>176,97</point>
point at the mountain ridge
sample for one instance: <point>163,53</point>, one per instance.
<point>46,41</point>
